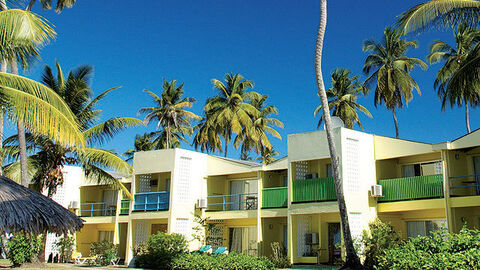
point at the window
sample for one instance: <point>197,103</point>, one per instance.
<point>424,228</point>
<point>428,168</point>
<point>105,236</point>
<point>329,170</point>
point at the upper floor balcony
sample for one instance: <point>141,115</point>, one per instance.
<point>97,201</point>
<point>314,190</point>
<point>151,201</point>
<point>412,188</point>
<point>225,194</point>
<point>229,202</point>
<point>275,197</point>
<point>97,209</point>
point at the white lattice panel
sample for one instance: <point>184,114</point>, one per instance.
<point>182,227</point>
<point>303,227</point>
<point>144,183</point>
<point>301,169</point>
<point>438,167</point>
<point>351,166</point>
<point>141,233</point>
<point>356,227</point>
<point>183,182</point>
<point>215,236</point>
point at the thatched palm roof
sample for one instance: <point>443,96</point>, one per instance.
<point>23,209</point>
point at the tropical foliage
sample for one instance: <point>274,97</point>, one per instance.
<point>457,91</point>
<point>48,157</point>
<point>389,69</point>
<point>439,13</point>
<point>171,114</point>
<point>343,98</point>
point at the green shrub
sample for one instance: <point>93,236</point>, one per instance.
<point>279,257</point>
<point>440,250</point>
<point>232,261</point>
<point>23,248</point>
<point>65,247</point>
<point>161,249</point>
<point>380,237</point>
<point>105,251</point>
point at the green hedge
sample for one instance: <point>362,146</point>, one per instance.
<point>232,261</point>
<point>441,250</point>
<point>160,250</point>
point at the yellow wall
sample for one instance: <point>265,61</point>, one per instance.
<point>318,166</point>
<point>272,231</point>
<point>399,219</point>
<point>273,178</point>
<point>89,234</point>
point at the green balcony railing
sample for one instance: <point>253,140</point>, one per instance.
<point>316,189</point>
<point>274,197</point>
<point>124,207</point>
<point>411,188</point>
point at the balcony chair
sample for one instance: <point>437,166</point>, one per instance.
<point>77,258</point>
<point>221,250</point>
<point>205,249</point>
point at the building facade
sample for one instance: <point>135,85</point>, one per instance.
<point>291,201</point>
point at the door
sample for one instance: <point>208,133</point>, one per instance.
<point>237,189</point>
<point>476,168</point>
<point>334,242</point>
<point>109,202</point>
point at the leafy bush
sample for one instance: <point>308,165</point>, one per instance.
<point>380,237</point>
<point>440,250</point>
<point>23,248</point>
<point>161,249</point>
<point>232,261</point>
<point>105,251</point>
<point>65,247</point>
<point>279,257</point>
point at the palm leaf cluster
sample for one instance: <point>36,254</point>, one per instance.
<point>343,98</point>
<point>48,157</point>
<point>236,110</point>
<point>389,69</point>
<point>171,114</point>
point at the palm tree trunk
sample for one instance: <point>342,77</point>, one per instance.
<point>168,135</point>
<point>226,148</point>
<point>352,260</point>
<point>3,68</point>
<point>395,121</point>
<point>21,140</point>
<point>467,117</point>
<point>30,5</point>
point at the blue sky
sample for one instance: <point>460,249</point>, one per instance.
<point>269,42</point>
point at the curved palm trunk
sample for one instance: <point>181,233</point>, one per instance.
<point>467,117</point>
<point>168,135</point>
<point>30,5</point>
<point>21,140</point>
<point>395,121</point>
<point>3,68</point>
<point>352,260</point>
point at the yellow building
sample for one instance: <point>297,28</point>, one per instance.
<point>417,187</point>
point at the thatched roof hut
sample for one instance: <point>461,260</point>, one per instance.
<point>23,209</point>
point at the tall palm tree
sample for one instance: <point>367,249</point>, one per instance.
<point>439,13</point>
<point>230,111</point>
<point>390,69</point>
<point>351,260</point>
<point>343,98</point>
<point>463,93</point>
<point>170,112</point>
<point>208,137</point>
<point>48,157</point>
<point>256,135</point>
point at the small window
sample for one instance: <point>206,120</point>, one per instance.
<point>424,228</point>
<point>105,236</point>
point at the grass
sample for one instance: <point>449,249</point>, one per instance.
<point>5,264</point>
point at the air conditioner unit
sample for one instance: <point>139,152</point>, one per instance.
<point>311,239</point>
<point>311,175</point>
<point>202,203</point>
<point>74,205</point>
<point>376,191</point>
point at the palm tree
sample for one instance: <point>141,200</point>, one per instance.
<point>230,111</point>
<point>351,260</point>
<point>390,71</point>
<point>267,156</point>
<point>343,98</point>
<point>255,136</point>
<point>207,137</point>
<point>170,111</point>
<point>142,143</point>
<point>48,157</point>
<point>47,4</point>
<point>464,92</point>
<point>439,13</point>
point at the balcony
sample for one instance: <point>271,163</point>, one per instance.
<point>244,201</point>
<point>97,209</point>
<point>464,185</point>
<point>275,197</point>
<point>151,201</point>
<point>412,188</point>
<point>124,207</point>
<point>314,190</point>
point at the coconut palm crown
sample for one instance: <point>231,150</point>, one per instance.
<point>343,98</point>
<point>389,69</point>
